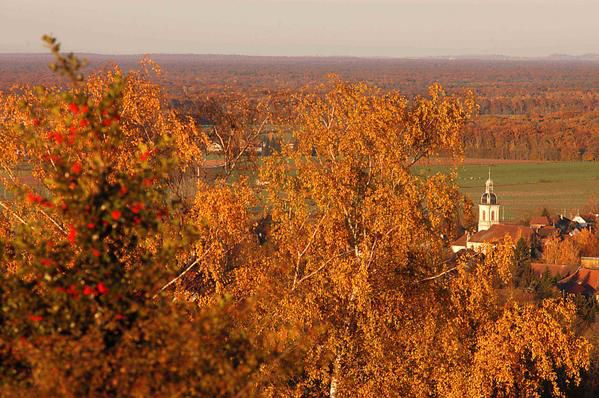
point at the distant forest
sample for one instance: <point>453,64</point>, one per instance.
<point>529,109</point>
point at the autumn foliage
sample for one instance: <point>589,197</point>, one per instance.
<point>323,272</point>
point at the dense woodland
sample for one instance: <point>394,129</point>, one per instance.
<point>544,109</point>
<point>322,269</point>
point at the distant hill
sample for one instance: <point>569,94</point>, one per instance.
<point>568,57</point>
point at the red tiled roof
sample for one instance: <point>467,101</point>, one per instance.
<point>497,233</point>
<point>547,231</point>
<point>583,281</point>
<point>461,241</point>
<point>540,220</point>
<point>559,270</point>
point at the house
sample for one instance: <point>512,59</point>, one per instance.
<point>584,281</point>
<point>493,236</point>
<point>547,232</point>
<point>540,222</point>
<point>554,270</point>
<point>214,147</point>
<point>589,262</point>
<point>586,221</point>
<point>497,233</point>
<point>460,243</point>
<point>565,225</point>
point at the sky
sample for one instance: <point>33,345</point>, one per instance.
<point>385,28</point>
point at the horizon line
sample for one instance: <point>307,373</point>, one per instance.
<point>381,57</point>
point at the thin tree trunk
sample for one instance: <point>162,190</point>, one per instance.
<point>334,377</point>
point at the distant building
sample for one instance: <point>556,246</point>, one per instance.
<point>493,236</point>
<point>585,221</point>
<point>540,222</point>
<point>214,147</point>
<point>584,281</point>
<point>589,262</point>
<point>490,230</point>
<point>580,278</point>
<point>554,270</point>
<point>564,225</point>
<point>547,232</point>
<point>488,209</point>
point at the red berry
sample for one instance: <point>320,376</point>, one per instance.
<point>46,262</point>
<point>95,253</point>
<point>56,137</point>
<point>88,290</point>
<point>72,236</point>
<point>102,289</point>
<point>33,198</point>
<point>83,123</point>
<point>35,318</point>
<point>76,168</point>
<point>73,107</point>
<point>137,207</point>
<point>84,109</point>
<point>72,291</point>
<point>116,214</point>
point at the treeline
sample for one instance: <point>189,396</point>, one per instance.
<point>535,109</point>
<point>553,136</point>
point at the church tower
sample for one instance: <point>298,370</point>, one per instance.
<point>488,209</point>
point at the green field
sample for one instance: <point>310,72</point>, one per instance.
<point>524,189</point>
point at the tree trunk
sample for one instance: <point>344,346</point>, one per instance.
<point>334,377</point>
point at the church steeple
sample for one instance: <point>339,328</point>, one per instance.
<point>488,209</point>
<point>489,197</point>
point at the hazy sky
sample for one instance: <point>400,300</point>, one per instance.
<point>305,27</point>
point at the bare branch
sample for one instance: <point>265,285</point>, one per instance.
<point>186,270</point>
<point>251,138</point>
<point>311,274</point>
<point>430,278</point>
<point>4,206</point>
<point>53,222</point>
<point>372,250</point>
<point>301,254</point>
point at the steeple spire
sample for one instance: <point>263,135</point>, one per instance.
<point>489,184</point>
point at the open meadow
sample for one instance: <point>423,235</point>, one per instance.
<point>525,188</point>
